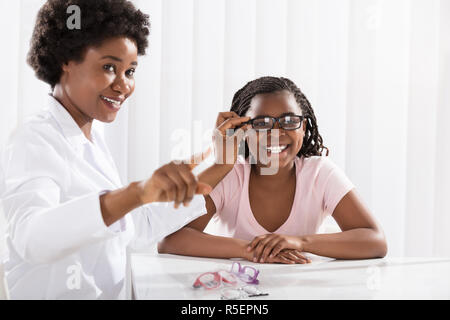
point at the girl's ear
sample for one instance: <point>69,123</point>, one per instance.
<point>305,123</point>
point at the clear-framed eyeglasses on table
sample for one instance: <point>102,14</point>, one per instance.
<point>239,282</point>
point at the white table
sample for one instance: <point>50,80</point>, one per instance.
<point>170,277</point>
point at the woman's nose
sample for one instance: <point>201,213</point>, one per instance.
<point>122,85</point>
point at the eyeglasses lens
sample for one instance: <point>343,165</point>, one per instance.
<point>249,272</point>
<point>290,122</point>
<point>286,122</point>
<point>209,280</point>
<point>263,124</point>
<point>231,294</point>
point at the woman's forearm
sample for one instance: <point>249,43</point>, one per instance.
<point>116,204</point>
<point>191,242</point>
<point>361,243</point>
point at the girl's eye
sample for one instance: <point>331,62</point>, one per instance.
<point>130,72</point>
<point>109,67</point>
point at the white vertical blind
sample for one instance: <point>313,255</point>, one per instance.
<point>240,46</point>
<point>441,241</point>
<point>376,72</point>
<point>144,121</point>
<point>421,126</point>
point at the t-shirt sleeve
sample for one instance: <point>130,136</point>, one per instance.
<point>335,185</point>
<point>226,189</point>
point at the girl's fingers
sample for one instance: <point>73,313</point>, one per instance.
<point>303,256</point>
<point>300,255</point>
<point>231,123</point>
<point>269,246</point>
<point>255,242</point>
<point>261,246</point>
<point>285,258</point>
<point>224,116</point>
<point>277,249</point>
<point>257,252</point>
<point>291,257</point>
<point>296,256</point>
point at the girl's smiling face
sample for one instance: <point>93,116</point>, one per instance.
<point>275,105</point>
<point>98,85</point>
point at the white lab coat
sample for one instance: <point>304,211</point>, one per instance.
<point>59,246</point>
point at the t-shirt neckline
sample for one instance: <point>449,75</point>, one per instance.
<point>248,166</point>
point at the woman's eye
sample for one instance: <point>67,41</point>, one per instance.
<point>130,72</point>
<point>109,67</point>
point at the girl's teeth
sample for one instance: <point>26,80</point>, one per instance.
<point>276,149</point>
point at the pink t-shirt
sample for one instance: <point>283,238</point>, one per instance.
<point>320,185</point>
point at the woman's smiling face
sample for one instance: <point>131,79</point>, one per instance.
<point>100,84</point>
<point>275,105</point>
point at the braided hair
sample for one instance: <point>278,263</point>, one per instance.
<point>312,142</point>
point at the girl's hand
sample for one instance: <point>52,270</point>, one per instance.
<point>226,146</point>
<point>173,182</point>
<point>289,256</point>
<point>286,256</point>
<point>269,246</point>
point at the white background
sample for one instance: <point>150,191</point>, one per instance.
<point>376,72</point>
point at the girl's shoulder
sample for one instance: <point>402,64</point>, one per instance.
<point>236,176</point>
<point>315,165</point>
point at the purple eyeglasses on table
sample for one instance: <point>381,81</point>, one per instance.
<point>247,274</point>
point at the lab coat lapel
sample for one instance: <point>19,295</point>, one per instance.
<point>78,141</point>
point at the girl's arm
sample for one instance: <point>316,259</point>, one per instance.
<point>361,236</point>
<point>192,241</point>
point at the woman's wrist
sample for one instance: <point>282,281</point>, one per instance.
<point>116,204</point>
<point>134,191</point>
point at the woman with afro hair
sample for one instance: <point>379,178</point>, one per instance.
<point>70,219</point>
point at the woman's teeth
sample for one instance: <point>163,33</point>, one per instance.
<point>276,149</point>
<point>114,102</point>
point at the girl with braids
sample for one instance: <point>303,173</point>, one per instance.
<point>275,217</point>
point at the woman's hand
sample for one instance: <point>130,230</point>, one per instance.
<point>226,146</point>
<point>267,247</point>
<point>172,182</point>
